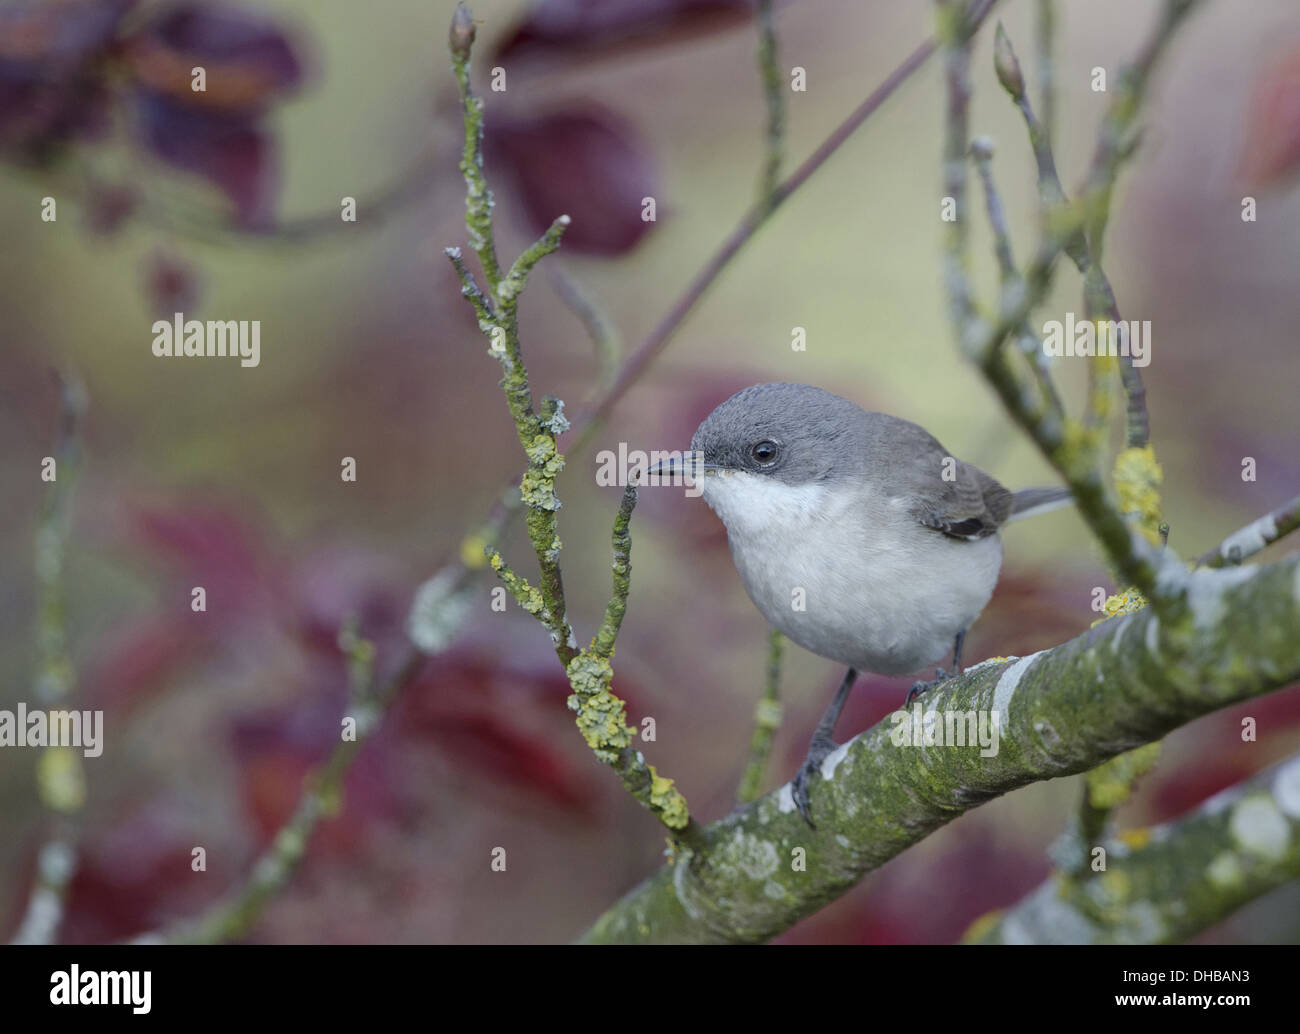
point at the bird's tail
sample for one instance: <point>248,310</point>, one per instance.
<point>1030,502</point>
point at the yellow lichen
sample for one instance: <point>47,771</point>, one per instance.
<point>667,801</point>
<point>1138,477</point>
<point>1126,602</point>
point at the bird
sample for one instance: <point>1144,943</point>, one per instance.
<point>855,533</point>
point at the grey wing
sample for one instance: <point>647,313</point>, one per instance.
<point>950,496</point>
<point>974,505</point>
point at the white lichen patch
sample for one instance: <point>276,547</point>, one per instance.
<point>1286,788</point>
<point>1204,588</point>
<point>755,857</point>
<point>1153,635</point>
<point>1250,539</point>
<point>1006,687</point>
<point>1259,828</point>
<point>832,760</point>
<point>785,799</point>
<point>774,890</point>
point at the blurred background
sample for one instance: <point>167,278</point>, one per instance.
<point>200,472</point>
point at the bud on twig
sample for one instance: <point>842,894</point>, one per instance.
<point>1006,65</point>
<point>461,36</point>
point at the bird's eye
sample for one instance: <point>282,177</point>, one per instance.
<point>764,451</point>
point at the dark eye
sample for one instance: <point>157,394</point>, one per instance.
<point>765,451</point>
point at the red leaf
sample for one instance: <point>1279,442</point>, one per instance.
<point>589,164</point>
<point>561,29</point>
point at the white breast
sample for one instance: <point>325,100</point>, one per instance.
<point>852,576</point>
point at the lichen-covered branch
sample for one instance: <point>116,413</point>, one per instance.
<point>1072,446</point>
<point>601,715</point>
<point>1165,884</point>
<point>767,720</point>
<point>1013,284</point>
<point>497,310</point>
<point>1099,298</point>
<point>1246,542</point>
<point>60,772</point>
<point>1105,788</point>
<point>233,916</point>
<point>1121,684</point>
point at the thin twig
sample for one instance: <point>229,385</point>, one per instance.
<point>60,773</point>
<point>767,720</point>
<point>601,715</point>
<point>233,916</point>
<point>1246,542</point>
<point>774,96</point>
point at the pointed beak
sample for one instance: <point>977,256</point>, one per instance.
<point>687,465</point>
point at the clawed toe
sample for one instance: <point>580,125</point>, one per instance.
<point>817,752</point>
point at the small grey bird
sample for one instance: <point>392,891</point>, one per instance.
<point>855,533</point>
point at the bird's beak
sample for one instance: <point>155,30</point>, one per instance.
<point>688,465</point>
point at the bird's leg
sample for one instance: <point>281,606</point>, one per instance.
<point>920,687</point>
<point>956,652</point>
<point>820,746</point>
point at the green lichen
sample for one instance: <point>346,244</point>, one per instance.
<point>544,465</point>
<point>1110,784</point>
<point>526,595</point>
<point>667,802</point>
<point>601,716</point>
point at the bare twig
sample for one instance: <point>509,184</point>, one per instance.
<point>232,917</point>
<point>767,720</point>
<point>774,96</point>
<point>60,775</point>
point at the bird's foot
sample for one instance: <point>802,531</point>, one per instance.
<point>817,751</point>
<point>920,687</point>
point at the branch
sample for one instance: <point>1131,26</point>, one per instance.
<point>767,720</point>
<point>60,771</point>
<point>232,917</point>
<point>1164,884</point>
<point>1247,541</point>
<point>1122,683</point>
<point>774,96</point>
<point>1073,447</point>
<point>601,715</point>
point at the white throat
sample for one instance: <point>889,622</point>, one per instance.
<point>752,504</point>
